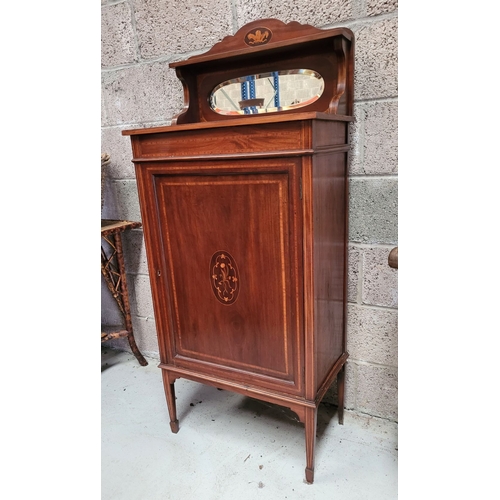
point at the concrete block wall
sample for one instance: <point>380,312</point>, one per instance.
<point>139,39</point>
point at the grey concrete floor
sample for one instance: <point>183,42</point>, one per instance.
<point>230,446</point>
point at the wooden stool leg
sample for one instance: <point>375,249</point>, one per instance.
<point>125,301</point>
<point>340,392</point>
<point>170,395</point>
<point>310,425</point>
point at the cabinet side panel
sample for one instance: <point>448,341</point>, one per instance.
<point>148,204</point>
<point>329,134</point>
<point>329,248</point>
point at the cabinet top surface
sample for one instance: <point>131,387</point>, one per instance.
<point>250,120</point>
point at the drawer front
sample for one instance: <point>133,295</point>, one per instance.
<point>221,141</point>
<point>230,246</point>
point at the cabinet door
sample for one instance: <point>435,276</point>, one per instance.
<point>231,243</point>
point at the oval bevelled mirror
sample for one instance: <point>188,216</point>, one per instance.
<point>267,92</point>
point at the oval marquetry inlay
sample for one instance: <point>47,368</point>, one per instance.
<point>258,36</point>
<point>224,277</point>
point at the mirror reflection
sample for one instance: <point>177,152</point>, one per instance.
<point>267,92</point>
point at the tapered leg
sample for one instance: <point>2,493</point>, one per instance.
<point>340,392</point>
<point>310,425</point>
<point>170,394</point>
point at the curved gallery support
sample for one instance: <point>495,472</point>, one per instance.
<point>287,48</point>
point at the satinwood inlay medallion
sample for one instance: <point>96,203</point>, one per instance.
<point>224,277</point>
<point>258,36</point>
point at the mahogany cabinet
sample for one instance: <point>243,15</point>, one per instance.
<point>245,222</point>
